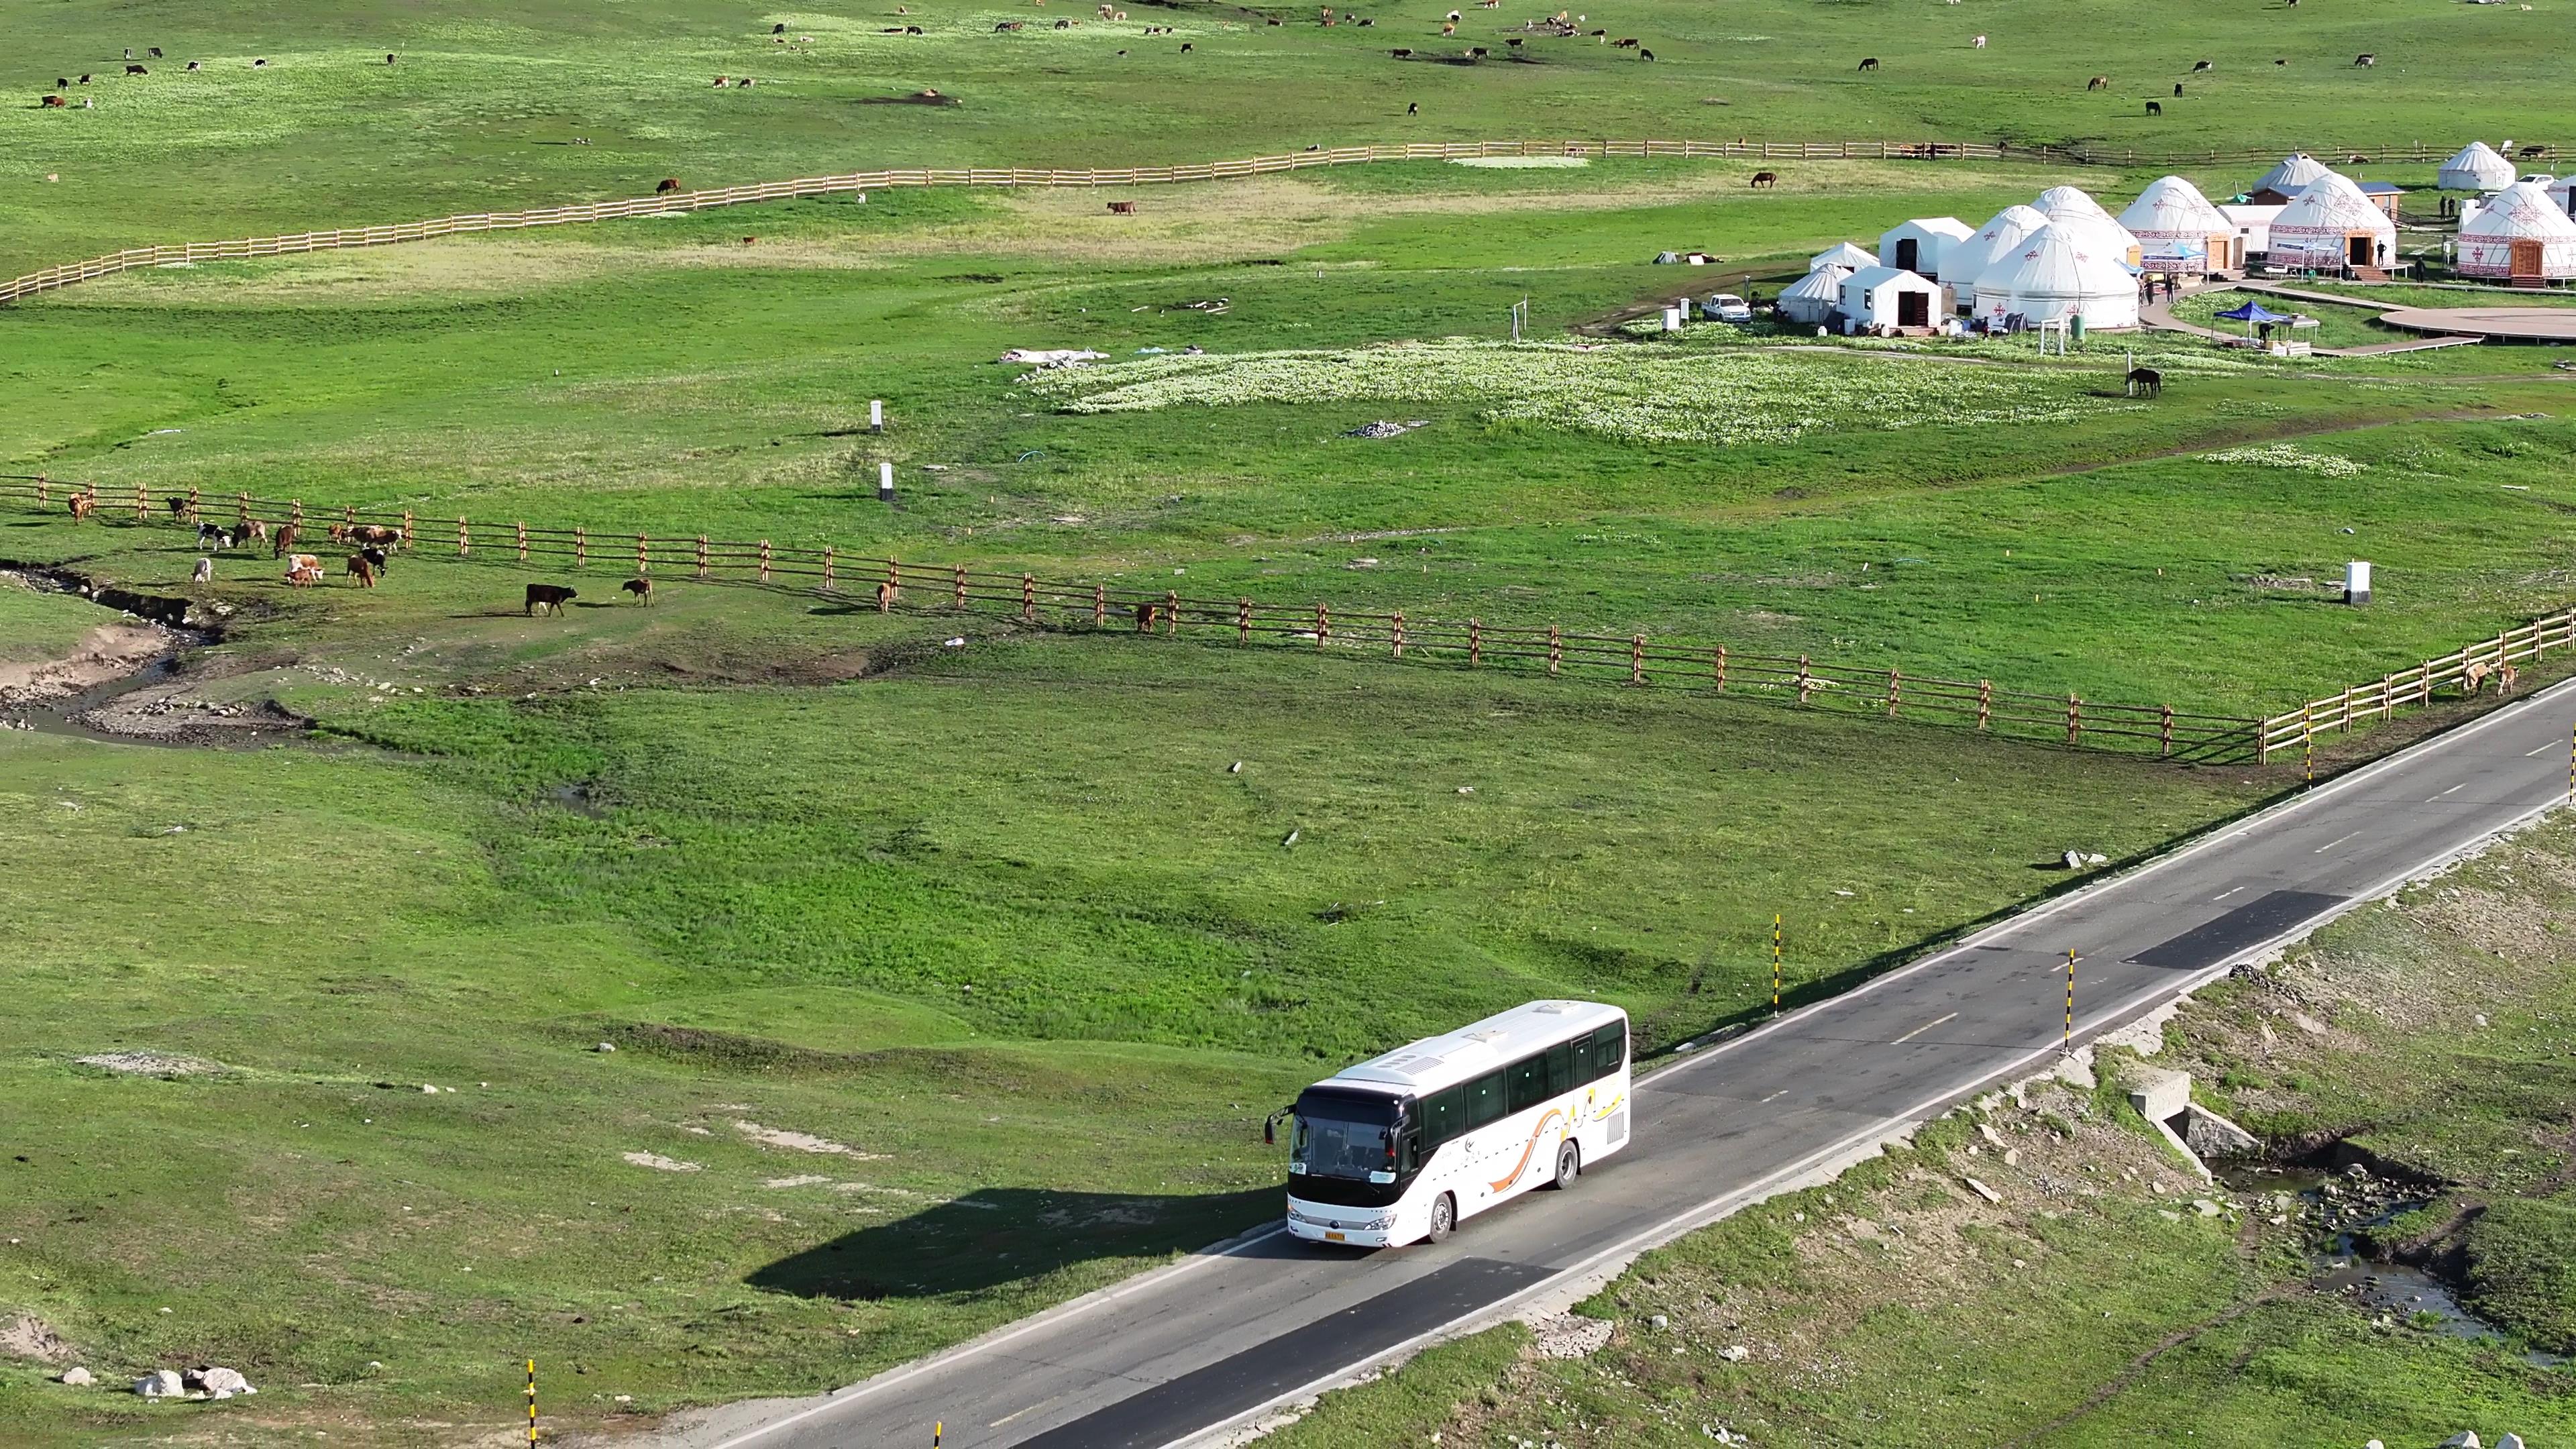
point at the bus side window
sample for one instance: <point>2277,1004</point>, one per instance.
<point>1443,1117</point>
<point>1610,1047</point>
<point>1560,1070</point>
<point>1485,1099</point>
<point>1583,1055</point>
<point>1529,1082</point>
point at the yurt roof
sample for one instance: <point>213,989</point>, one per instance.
<point>2294,173</point>
<point>2171,206</point>
<point>2059,201</point>
<point>2477,167</point>
<point>1946,226</point>
<point>1824,284</point>
<point>2058,262</point>
<point>2002,232</point>
<point>2523,210</point>
<point>2331,203</point>
<point>1842,254</point>
<point>2104,233</point>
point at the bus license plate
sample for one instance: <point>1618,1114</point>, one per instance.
<point>1335,1238</point>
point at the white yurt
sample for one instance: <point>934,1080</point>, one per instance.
<point>1920,244</point>
<point>2057,272</point>
<point>2069,207</point>
<point>1877,297</point>
<point>2563,191</point>
<point>1813,298</point>
<point>1961,264</point>
<point>2476,168</point>
<point>2179,231</point>
<point>2520,234</point>
<point>2296,173</point>
<point>1842,254</point>
<point>2331,225</point>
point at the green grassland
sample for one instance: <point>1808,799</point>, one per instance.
<point>37,624</point>
<point>2091,1305</point>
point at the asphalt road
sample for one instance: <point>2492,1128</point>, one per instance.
<point>1224,1333</point>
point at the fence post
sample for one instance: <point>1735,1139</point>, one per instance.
<point>702,555</point>
<point>893,582</point>
<point>1555,648</point>
<point>827,567</point>
<point>192,503</point>
<point>244,500</point>
<point>142,502</point>
<point>407,529</point>
<point>1895,692</point>
<point>2164,732</point>
<point>44,490</point>
<point>1721,668</point>
<point>2347,709</point>
<point>1099,600</point>
<point>1985,703</point>
<point>1396,624</point>
<point>1636,659</point>
<point>764,560</point>
<point>644,559</point>
<point>349,515</point>
<point>523,540</point>
<point>295,515</point>
<point>1243,621</point>
<point>2426,697</point>
<point>1805,684</point>
<point>957,587</point>
<point>581,548</point>
<point>464,545</point>
<point>1028,599</point>
<point>2074,719</point>
<point>1323,625</point>
<point>1475,642</point>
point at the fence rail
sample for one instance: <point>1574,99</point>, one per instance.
<point>2466,670</point>
<point>683,202</point>
<point>1633,659</point>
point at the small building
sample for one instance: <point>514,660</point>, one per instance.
<point>1812,300</point>
<point>2332,227</point>
<point>2253,230</point>
<point>2478,167</point>
<point>2382,194</point>
<point>1919,245</point>
<point>2521,235</point>
<point>1842,254</point>
<point>2179,233</point>
<point>2296,173</point>
<point>2003,232</point>
<point>1879,298</point>
<point>2059,273</point>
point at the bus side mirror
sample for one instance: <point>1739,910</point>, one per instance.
<point>1270,1125</point>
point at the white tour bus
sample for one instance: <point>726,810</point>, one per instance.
<point>1403,1146</point>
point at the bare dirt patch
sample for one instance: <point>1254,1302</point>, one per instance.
<point>28,1337</point>
<point>106,654</point>
<point>150,1064</point>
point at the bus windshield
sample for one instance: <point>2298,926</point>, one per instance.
<point>1346,1135</point>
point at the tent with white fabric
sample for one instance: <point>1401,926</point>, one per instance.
<point>1961,263</point>
<point>1812,299</point>
<point>2477,168</point>
<point>2059,272</point>
<point>1919,245</point>
<point>1882,298</point>
<point>1842,254</point>
<point>2296,173</point>
<point>2070,207</point>
<point>2521,235</point>
<point>2178,231</point>
<point>2331,226</point>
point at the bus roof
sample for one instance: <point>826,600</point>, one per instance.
<point>1478,1047</point>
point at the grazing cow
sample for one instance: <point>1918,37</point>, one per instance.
<point>1447,30</point>
<point>154,52</point>
<point>363,571</point>
<point>129,52</point>
<point>81,504</point>
<point>1474,52</point>
<point>192,65</point>
<point>285,540</point>
<point>1980,42</point>
<point>721,83</point>
<point>669,185</point>
<point>2506,677</point>
<point>1601,35</point>
<point>2356,160</point>
<point>304,570</point>
<point>1064,25</point>
<point>84,80</point>
<point>1625,42</point>
<point>56,102</point>
<point>62,83</point>
<point>338,532</point>
<point>2198,66</point>
<point>2177,87</point>
<point>779,29</point>
<point>1185,47</point>
<point>1122,208</point>
<point>2528,152</point>
<point>176,505</point>
<point>548,596</point>
<point>1645,55</point>
<point>2098,83</point>
<point>885,596</point>
<point>1765,179</point>
<point>912,30</point>
<point>2155,108</point>
<point>242,533</point>
<point>260,64</point>
<point>1514,42</point>
<point>2281,62</point>
<point>204,573</point>
<point>378,534</point>
<point>136,70</point>
<point>209,536</point>
<point>2146,382</point>
<point>1145,618</point>
<point>389,57</point>
<point>1402,53</point>
<point>2474,678</point>
<point>376,559</point>
<point>1869,62</point>
<point>2365,58</point>
<point>641,588</point>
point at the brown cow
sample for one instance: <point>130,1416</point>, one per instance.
<point>304,570</point>
<point>285,540</point>
<point>641,588</point>
<point>2098,83</point>
<point>669,185</point>
<point>885,597</point>
<point>378,534</point>
<point>363,571</point>
<point>56,102</point>
<point>1145,618</point>
<point>1764,178</point>
<point>1122,208</point>
<point>81,504</point>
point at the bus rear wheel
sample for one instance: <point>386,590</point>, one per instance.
<point>1444,1218</point>
<point>1569,1166</point>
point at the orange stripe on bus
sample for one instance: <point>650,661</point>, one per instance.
<point>1527,1148</point>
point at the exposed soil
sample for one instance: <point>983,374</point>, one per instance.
<point>107,653</point>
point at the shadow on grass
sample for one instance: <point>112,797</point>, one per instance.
<point>999,1235</point>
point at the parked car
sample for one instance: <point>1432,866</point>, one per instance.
<point>1726,307</point>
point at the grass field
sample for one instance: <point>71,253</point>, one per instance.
<point>948,980</point>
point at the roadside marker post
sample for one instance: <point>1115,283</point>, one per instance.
<point>2308,739</point>
<point>876,415</point>
<point>2068,1046</point>
<point>936,1428</point>
<point>2571,765</point>
<point>1775,947</point>
<point>532,1404</point>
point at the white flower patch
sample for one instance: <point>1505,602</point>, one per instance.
<point>2289,455</point>
<point>1522,163</point>
<point>1644,393</point>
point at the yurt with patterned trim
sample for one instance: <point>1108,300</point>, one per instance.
<point>2178,231</point>
<point>2059,272</point>
<point>2520,235</point>
<point>2296,173</point>
<point>2070,207</point>
<point>1810,301</point>
<point>1961,264</point>
<point>2478,167</point>
<point>1844,255</point>
<point>2331,226</point>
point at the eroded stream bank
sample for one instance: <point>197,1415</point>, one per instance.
<point>128,679</point>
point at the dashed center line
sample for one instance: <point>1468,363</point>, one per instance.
<point>1918,1031</point>
<point>2222,895</point>
<point>2331,844</point>
<point>2454,790</point>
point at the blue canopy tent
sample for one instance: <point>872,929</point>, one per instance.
<point>2251,313</point>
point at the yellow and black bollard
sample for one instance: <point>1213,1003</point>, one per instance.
<point>532,1404</point>
<point>1775,963</point>
<point>2069,1044</point>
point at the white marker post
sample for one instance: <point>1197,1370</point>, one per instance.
<point>2356,582</point>
<point>885,482</point>
<point>876,415</point>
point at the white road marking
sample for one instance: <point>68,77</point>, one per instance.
<point>1023,1413</point>
<point>2222,895</point>
<point>2454,790</point>
<point>2544,749</point>
<point>1918,1031</point>
<point>1775,1096</point>
<point>2331,844</point>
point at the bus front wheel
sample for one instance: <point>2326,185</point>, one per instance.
<point>1569,1166</point>
<point>1444,1218</point>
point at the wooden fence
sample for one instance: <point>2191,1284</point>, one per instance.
<point>2468,671</point>
<point>1632,659</point>
<point>682,202</point>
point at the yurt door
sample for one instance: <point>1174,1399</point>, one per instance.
<point>1908,252</point>
<point>2356,249</point>
<point>2526,259</point>
<point>1913,309</point>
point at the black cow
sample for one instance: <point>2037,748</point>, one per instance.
<point>548,596</point>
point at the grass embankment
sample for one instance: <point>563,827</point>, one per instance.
<point>997,929</point>
<point>38,624</point>
<point>2095,1303</point>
